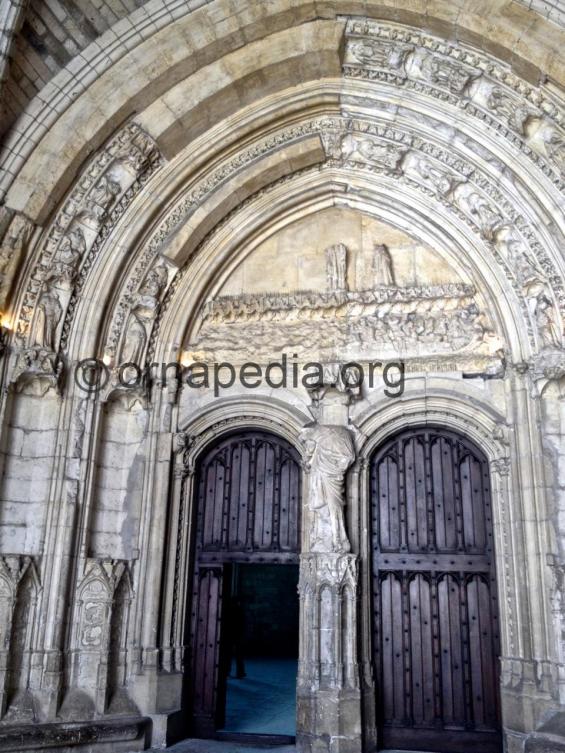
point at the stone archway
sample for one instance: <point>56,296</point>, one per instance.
<point>381,185</point>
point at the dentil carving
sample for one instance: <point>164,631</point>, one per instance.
<point>330,452</point>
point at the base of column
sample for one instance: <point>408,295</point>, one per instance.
<point>329,721</point>
<point>103,736</point>
<point>549,738</point>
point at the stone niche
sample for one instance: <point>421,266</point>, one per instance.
<point>342,285</point>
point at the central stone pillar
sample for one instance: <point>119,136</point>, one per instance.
<point>328,692</point>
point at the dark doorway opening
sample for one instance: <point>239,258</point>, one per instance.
<point>246,533</point>
<point>260,651</point>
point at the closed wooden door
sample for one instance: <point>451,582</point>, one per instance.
<point>435,615</point>
<point>246,509</point>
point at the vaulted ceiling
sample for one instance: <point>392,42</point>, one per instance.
<point>49,34</point>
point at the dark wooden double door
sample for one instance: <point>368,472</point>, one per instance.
<point>435,615</point>
<point>247,511</point>
<point>434,602</point>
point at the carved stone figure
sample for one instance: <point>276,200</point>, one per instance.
<point>139,152</point>
<point>555,147</point>
<point>102,196</point>
<point>330,452</point>
<point>509,108</point>
<point>382,266</point>
<point>548,328</point>
<point>381,54</point>
<point>336,267</point>
<point>518,259</point>
<point>144,308</point>
<point>134,341</point>
<point>453,76</point>
<point>16,237</point>
<point>72,247</point>
<point>442,181</point>
<point>365,149</point>
<point>49,311</point>
<point>69,254</point>
<point>155,282</point>
<point>488,220</point>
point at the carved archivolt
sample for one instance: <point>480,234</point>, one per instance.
<point>472,197</point>
<point>458,75</point>
<point>100,196</point>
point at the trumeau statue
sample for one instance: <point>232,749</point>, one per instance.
<point>330,452</point>
<point>382,266</point>
<point>336,266</point>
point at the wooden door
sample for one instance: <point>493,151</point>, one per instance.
<point>247,508</point>
<point>435,615</point>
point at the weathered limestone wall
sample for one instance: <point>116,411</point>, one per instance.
<point>118,486</point>
<point>29,448</point>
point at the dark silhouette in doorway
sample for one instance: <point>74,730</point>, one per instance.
<point>237,630</point>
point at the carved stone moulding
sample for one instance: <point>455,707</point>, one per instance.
<point>451,184</point>
<point>464,77</point>
<point>462,188</point>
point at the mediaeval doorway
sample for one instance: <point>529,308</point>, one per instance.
<point>435,614</point>
<point>246,527</point>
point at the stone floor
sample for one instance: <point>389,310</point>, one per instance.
<point>214,746</point>
<point>264,701</point>
<point>261,702</point>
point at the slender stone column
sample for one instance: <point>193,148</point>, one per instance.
<point>328,693</point>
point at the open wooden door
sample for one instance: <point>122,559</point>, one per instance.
<point>247,511</point>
